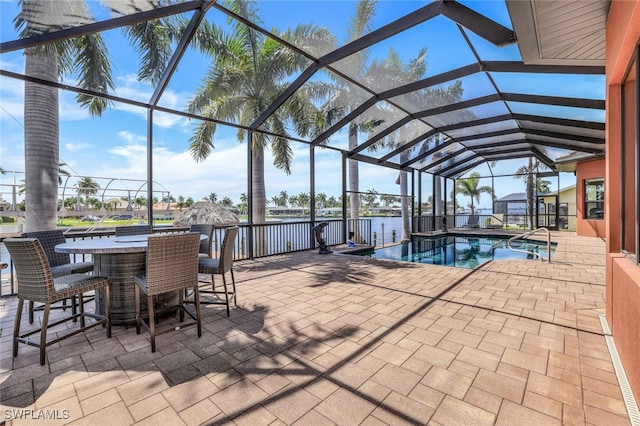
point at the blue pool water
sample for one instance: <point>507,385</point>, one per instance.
<point>458,251</point>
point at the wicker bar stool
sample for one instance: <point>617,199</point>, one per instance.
<point>60,264</point>
<point>207,230</point>
<point>122,231</point>
<point>172,267</point>
<point>37,284</point>
<point>208,265</point>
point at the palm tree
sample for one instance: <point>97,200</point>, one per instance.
<point>62,172</point>
<point>243,206</point>
<point>369,198</point>
<point>321,200</point>
<point>283,199</point>
<point>250,71</point>
<point>533,184</point>
<point>87,187</point>
<point>349,97</point>
<point>393,70</point>
<point>87,56</point>
<point>542,185</point>
<point>303,199</point>
<point>470,188</point>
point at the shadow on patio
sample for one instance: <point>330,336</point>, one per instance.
<point>341,339</point>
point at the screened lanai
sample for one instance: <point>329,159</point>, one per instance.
<point>426,92</point>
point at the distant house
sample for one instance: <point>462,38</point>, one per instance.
<point>385,211</point>
<point>287,211</point>
<point>515,206</point>
<point>330,211</point>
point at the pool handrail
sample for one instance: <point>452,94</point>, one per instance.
<point>527,234</point>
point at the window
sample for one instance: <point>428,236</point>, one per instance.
<point>631,160</point>
<point>594,198</point>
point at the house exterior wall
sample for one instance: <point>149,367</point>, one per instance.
<point>623,274</point>
<point>584,226</point>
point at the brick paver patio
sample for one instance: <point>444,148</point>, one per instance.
<point>335,339</point>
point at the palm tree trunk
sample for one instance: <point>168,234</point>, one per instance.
<point>259,200</point>
<point>41,140</point>
<point>437,184</point>
<point>258,193</point>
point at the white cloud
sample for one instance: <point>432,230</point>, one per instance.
<point>130,137</point>
<point>142,92</point>
<point>78,146</point>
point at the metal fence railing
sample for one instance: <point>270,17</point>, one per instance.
<point>268,239</point>
<point>429,223</point>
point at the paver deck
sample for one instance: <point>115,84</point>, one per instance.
<point>336,339</point>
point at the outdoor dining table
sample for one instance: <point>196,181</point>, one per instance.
<point>120,259</point>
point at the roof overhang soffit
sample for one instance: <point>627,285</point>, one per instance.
<point>568,32</point>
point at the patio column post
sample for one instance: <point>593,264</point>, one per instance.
<point>453,201</point>
<point>419,193</point>
<point>312,192</point>
<point>344,196</point>
<point>433,202</point>
<point>413,196</point>
<point>444,210</point>
<point>249,195</point>
<point>149,167</point>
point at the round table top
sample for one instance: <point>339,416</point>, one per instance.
<point>109,245</point>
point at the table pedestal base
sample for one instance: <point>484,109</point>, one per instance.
<point>121,268</point>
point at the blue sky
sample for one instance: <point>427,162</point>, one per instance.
<point>114,145</point>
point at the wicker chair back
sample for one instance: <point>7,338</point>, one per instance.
<point>204,229</point>
<point>172,262</point>
<point>35,281</point>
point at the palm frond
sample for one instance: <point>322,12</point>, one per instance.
<point>250,39</point>
<point>41,17</point>
<point>282,153</point>
<point>152,42</point>
<point>201,143</point>
<point>362,21</point>
<point>94,67</point>
<point>312,39</point>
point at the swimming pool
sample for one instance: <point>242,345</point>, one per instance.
<point>458,251</point>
